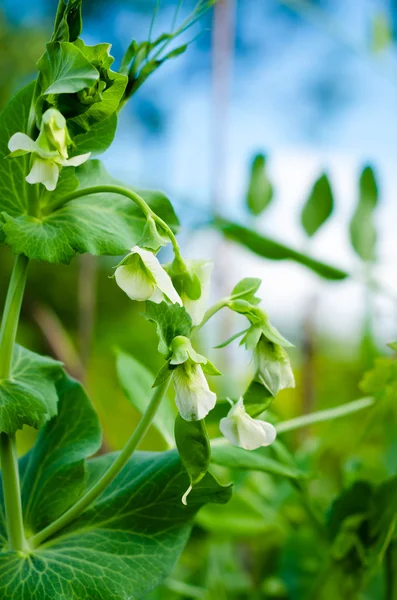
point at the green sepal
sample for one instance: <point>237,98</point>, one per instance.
<point>231,339</point>
<point>210,369</point>
<point>163,375</point>
<point>194,448</point>
<point>259,319</point>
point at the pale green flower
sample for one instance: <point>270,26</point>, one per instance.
<point>244,431</point>
<point>273,368</point>
<point>141,277</point>
<point>196,308</point>
<point>49,151</point>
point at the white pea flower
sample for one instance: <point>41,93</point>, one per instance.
<point>196,308</point>
<point>244,431</point>
<point>273,368</point>
<point>49,151</point>
<point>141,277</point>
<point>194,398</point>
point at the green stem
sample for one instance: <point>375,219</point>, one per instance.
<point>8,453</point>
<point>109,476</point>
<point>211,312</point>
<point>118,189</point>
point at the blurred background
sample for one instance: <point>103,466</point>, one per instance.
<point>280,120</point>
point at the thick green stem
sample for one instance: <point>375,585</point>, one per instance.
<point>12,493</point>
<point>112,472</point>
<point>118,189</point>
<point>8,453</point>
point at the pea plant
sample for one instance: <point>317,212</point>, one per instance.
<point>112,527</point>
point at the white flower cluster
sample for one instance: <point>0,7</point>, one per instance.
<point>141,276</point>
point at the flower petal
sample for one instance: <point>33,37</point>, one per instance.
<point>163,280</point>
<point>193,397</point>
<point>21,143</point>
<point>134,282</point>
<point>76,161</point>
<point>45,172</point>
<point>196,308</point>
<point>244,431</point>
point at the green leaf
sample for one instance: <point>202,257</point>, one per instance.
<point>29,396</point>
<point>272,250</point>
<point>171,320</point>
<point>257,398</point>
<point>97,139</point>
<point>64,69</point>
<point>254,460</point>
<point>137,383</point>
<point>121,547</point>
<point>246,290</point>
<point>381,381</point>
<point>110,97</point>
<point>54,472</point>
<point>362,227</point>
<point>102,224</point>
<point>260,190</point>
<point>68,21</point>
<point>194,448</point>
<point>318,207</point>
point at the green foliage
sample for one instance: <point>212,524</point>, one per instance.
<point>29,396</point>
<point>246,290</point>
<point>117,534</point>
<point>68,21</point>
<point>57,460</point>
<point>362,227</point>
<point>318,207</point>
<point>381,381</point>
<point>260,190</point>
<point>272,250</point>
<point>171,320</point>
<point>194,448</point>
<point>137,383</point>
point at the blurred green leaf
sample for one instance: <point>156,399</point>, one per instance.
<point>362,227</point>
<point>260,190</point>
<point>137,382</point>
<point>272,250</point>
<point>381,32</point>
<point>318,207</point>
<point>254,460</point>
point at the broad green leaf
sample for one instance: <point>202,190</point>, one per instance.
<point>54,470</point>
<point>318,207</point>
<point>107,224</point>
<point>171,320</point>
<point>272,250</point>
<point>260,190</point>
<point>362,227</point>
<point>64,69</point>
<point>137,383</point>
<point>254,460</point>
<point>29,396</point>
<point>194,448</point>
<point>97,139</point>
<point>124,545</point>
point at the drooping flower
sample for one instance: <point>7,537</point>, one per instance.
<point>244,431</point>
<point>193,398</point>
<point>49,151</point>
<point>273,368</point>
<point>141,277</point>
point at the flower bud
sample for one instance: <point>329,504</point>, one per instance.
<point>273,368</point>
<point>244,431</point>
<point>54,133</point>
